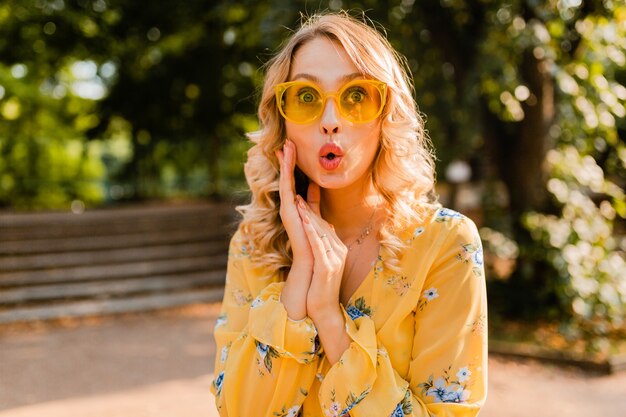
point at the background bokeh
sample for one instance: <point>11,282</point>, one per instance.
<point>109,101</point>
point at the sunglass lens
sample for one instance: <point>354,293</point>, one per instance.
<point>360,102</point>
<point>301,103</point>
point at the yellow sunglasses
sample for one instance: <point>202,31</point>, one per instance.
<point>359,101</point>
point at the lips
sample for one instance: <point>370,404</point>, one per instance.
<point>330,156</point>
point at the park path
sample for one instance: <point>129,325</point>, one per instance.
<point>159,364</point>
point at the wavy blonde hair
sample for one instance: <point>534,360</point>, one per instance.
<point>403,171</point>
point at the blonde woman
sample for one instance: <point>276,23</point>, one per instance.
<point>349,291</point>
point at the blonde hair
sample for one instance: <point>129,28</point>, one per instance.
<point>403,170</point>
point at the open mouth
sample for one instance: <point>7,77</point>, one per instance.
<point>330,155</point>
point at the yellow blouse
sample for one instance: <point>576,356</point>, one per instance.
<point>419,338</point>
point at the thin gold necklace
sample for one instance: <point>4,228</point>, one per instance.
<point>365,233</point>
<point>360,240</point>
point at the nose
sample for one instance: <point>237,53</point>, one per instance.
<point>330,123</point>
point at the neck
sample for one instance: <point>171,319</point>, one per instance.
<point>349,209</point>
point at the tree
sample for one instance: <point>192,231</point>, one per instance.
<point>530,93</point>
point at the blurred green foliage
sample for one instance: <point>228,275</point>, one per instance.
<point>106,100</point>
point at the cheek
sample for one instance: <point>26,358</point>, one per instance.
<point>296,133</point>
<point>301,136</point>
<point>370,143</point>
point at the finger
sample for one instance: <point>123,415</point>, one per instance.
<point>313,197</point>
<point>319,223</point>
<point>289,166</point>
<point>285,188</point>
<point>320,251</point>
<point>279,155</point>
<point>325,233</point>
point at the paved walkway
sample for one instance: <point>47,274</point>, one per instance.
<point>158,365</point>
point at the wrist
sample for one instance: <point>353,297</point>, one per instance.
<point>293,309</point>
<point>331,328</point>
<point>328,315</point>
<point>294,293</point>
<point>301,265</point>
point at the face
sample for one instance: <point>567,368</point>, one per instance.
<point>332,151</point>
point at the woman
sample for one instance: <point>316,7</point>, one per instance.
<point>348,291</point>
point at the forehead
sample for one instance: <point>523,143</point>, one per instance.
<point>323,59</point>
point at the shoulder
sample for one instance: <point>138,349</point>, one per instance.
<point>242,261</point>
<point>435,218</point>
<point>453,222</point>
<point>239,246</point>
<point>438,225</point>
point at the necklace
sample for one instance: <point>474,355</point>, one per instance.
<point>365,233</point>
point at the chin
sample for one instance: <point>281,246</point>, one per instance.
<point>334,181</point>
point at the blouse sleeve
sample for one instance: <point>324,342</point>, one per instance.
<point>265,362</point>
<point>448,370</point>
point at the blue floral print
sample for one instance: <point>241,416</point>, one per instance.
<point>224,353</point>
<point>262,349</point>
<point>404,407</point>
<point>266,354</point>
<point>359,309</point>
<point>472,252</point>
<point>354,312</point>
<point>418,231</point>
<point>221,320</point>
<point>445,214</point>
<point>257,302</point>
<point>398,411</point>
<point>428,295</point>
<point>463,374</point>
<point>477,257</point>
<point>219,382</point>
<point>335,410</point>
<point>447,393</point>
<point>446,390</point>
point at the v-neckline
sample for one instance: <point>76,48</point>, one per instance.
<point>358,289</point>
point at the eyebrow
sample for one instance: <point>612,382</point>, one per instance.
<point>343,79</point>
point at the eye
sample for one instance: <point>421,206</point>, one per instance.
<point>356,95</point>
<point>307,95</point>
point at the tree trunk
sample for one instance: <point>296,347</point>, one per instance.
<point>520,154</point>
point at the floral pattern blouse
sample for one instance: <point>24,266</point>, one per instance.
<point>419,342</point>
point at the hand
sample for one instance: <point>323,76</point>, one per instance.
<point>299,278</point>
<point>288,212</point>
<point>329,257</point>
